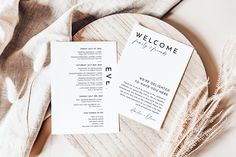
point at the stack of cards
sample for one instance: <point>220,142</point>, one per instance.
<point>89,89</point>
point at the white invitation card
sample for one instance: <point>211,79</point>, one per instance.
<point>81,73</point>
<point>148,75</point>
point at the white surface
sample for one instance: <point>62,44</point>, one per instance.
<point>208,24</point>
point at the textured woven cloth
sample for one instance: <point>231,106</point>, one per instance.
<point>26,30</point>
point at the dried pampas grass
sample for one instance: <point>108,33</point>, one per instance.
<point>204,118</point>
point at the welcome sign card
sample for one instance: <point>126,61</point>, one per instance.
<point>148,75</point>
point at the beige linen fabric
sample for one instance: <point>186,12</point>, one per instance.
<point>25,57</point>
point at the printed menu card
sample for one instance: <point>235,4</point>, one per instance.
<point>81,73</point>
<point>148,75</point>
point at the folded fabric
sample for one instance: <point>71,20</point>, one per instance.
<point>25,57</point>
